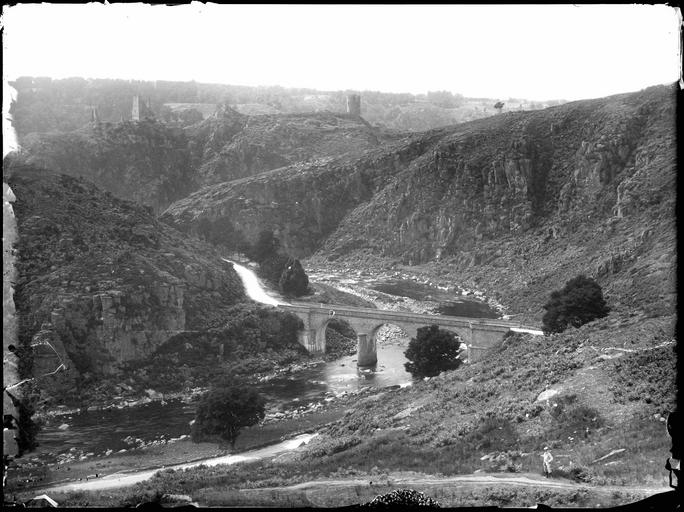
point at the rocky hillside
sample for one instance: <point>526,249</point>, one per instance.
<point>516,204</point>
<point>101,280</point>
<point>154,163</point>
<point>302,203</point>
<point>144,161</point>
<point>46,105</point>
<point>231,145</point>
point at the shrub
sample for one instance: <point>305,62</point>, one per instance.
<point>432,351</point>
<point>578,302</point>
<point>225,410</point>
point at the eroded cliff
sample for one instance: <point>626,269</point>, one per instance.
<point>156,164</point>
<point>230,145</point>
<point>102,281</point>
<point>144,161</point>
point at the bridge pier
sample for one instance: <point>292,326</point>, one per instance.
<point>367,354</point>
<point>479,334</point>
<point>307,338</point>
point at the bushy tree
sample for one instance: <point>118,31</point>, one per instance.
<point>280,269</point>
<point>225,410</point>
<point>293,280</point>
<point>578,302</point>
<point>432,351</point>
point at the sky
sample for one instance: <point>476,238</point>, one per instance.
<point>537,52</point>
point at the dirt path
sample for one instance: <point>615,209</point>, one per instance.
<point>125,479</point>
<point>413,480</point>
<point>462,490</point>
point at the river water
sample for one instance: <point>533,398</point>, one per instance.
<point>97,432</point>
<point>118,429</point>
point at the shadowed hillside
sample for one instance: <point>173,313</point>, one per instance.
<point>154,163</point>
<point>102,280</point>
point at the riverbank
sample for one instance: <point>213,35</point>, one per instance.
<point>151,396</point>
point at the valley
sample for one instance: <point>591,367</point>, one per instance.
<point>128,235</point>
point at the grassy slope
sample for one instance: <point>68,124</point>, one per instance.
<point>614,377</point>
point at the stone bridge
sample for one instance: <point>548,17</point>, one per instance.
<point>478,334</point>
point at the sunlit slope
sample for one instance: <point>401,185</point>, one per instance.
<point>585,393</point>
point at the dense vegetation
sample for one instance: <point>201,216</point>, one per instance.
<point>251,340</point>
<point>578,302</point>
<point>432,351</point>
<point>283,271</point>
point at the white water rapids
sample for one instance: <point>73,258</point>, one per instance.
<point>252,285</point>
<point>535,332</point>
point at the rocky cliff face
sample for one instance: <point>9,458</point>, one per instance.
<point>155,164</point>
<point>231,145</point>
<point>303,203</point>
<point>101,280</point>
<point>144,161</point>
<point>519,200</point>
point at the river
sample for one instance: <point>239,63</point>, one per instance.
<point>114,429</point>
<point>95,433</point>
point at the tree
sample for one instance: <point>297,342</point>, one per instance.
<point>499,105</point>
<point>432,351</point>
<point>578,302</point>
<point>293,280</point>
<point>225,410</point>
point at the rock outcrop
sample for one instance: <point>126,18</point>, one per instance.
<point>101,280</point>
<point>230,145</point>
<point>155,164</point>
<point>142,161</point>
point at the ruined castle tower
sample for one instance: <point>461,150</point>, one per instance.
<point>141,110</point>
<point>135,114</point>
<point>354,105</point>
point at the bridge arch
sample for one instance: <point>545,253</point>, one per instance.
<point>343,327</point>
<point>478,334</point>
<point>410,330</point>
